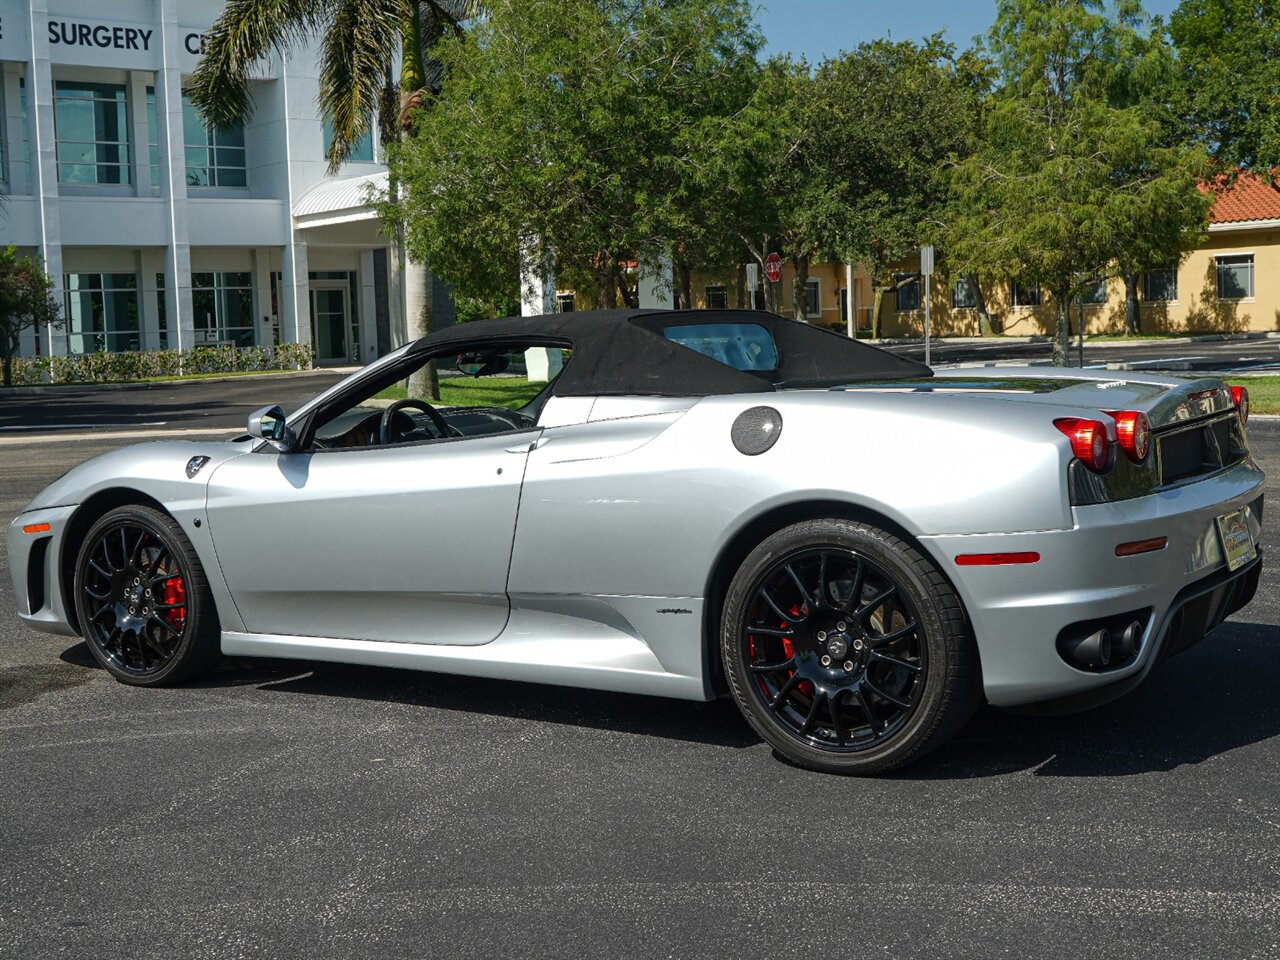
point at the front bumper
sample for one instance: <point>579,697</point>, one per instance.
<point>1018,611</point>
<point>34,564</point>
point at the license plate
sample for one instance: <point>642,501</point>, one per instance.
<point>1237,541</point>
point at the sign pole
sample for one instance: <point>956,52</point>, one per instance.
<point>927,278</point>
<point>926,268</point>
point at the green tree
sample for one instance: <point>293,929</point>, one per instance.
<point>844,161</point>
<point>1229,58</point>
<point>764,177</point>
<point>896,114</point>
<point>26,302</point>
<point>576,128</point>
<point>1067,184</point>
<point>361,43</point>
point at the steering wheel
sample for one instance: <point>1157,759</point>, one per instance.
<point>388,415</point>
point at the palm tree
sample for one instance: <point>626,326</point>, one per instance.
<point>361,42</point>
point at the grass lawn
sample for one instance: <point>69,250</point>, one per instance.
<point>1264,393</point>
<point>509,392</point>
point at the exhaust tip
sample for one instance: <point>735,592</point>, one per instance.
<point>1093,650</point>
<point>1130,639</point>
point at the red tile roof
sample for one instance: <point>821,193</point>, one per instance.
<point>1249,198</point>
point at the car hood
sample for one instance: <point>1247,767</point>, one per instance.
<point>151,467</point>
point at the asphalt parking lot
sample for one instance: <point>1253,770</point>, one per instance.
<point>298,810</point>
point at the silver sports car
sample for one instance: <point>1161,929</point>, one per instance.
<point>855,548</point>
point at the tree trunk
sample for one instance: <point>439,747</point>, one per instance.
<point>800,288</point>
<point>417,278</point>
<point>1132,315</point>
<point>606,288</point>
<point>624,289</point>
<point>876,303</point>
<point>1062,335</point>
<point>8,368</point>
<point>986,327</point>
<point>684,285</point>
<point>418,284</point>
<point>740,281</point>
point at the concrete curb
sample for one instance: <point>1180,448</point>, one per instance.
<point>74,388</point>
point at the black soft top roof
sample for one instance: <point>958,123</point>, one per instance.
<point>626,353</point>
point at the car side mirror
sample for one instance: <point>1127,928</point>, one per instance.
<point>269,424</point>
<point>481,365</point>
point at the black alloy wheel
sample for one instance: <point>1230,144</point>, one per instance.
<point>835,649</point>
<point>846,649</point>
<point>142,600</point>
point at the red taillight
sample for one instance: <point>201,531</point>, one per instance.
<point>1133,433</point>
<point>1089,441</point>
<point>1240,396</point>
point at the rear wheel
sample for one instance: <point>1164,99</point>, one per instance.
<point>846,649</point>
<point>142,599</point>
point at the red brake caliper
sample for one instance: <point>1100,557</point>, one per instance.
<point>804,686</point>
<point>174,593</point>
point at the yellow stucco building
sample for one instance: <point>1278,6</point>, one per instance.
<point>1230,284</point>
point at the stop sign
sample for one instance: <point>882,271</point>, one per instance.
<point>773,267</point>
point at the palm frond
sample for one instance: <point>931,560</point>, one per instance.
<point>245,32</point>
<point>362,39</point>
<point>437,19</point>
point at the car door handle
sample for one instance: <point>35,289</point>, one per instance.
<point>527,447</point>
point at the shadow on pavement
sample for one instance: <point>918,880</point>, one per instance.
<point>1217,697</point>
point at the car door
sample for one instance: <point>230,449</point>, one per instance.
<point>407,544</point>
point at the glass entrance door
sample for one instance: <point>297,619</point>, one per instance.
<point>330,314</point>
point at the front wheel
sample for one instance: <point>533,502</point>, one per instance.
<point>143,602</point>
<point>846,649</point>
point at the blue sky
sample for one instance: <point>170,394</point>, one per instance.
<point>821,28</point>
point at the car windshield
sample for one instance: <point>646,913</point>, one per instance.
<point>743,346</point>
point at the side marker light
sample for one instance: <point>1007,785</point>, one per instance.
<point>995,559</point>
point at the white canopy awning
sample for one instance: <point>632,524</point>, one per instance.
<point>340,200</point>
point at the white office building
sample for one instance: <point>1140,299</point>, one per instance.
<point>160,233</point>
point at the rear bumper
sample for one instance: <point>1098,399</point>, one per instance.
<point>1018,611</point>
<point>33,565</point>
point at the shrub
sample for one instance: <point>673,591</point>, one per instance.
<point>137,365</point>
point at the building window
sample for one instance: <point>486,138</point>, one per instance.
<point>909,293</point>
<point>215,157</point>
<point>1024,295</point>
<point>1093,293</point>
<point>153,137</point>
<point>964,294</point>
<point>93,132</point>
<point>162,313</point>
<point>102,312</point>
<point>222,308</point>
<point>1160,285</point>
<point>813,301</point>
<point>564,303</point>
<point>361,150</point>
<point>26,140</point>
<point>1235,276</point>
<point>717,297</point>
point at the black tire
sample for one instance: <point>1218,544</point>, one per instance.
<point>142,599</point>
<point>905,677</point>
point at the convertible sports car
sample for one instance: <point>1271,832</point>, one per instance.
<point>856,548</point>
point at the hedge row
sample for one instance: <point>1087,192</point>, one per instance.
<point>115,367</point>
